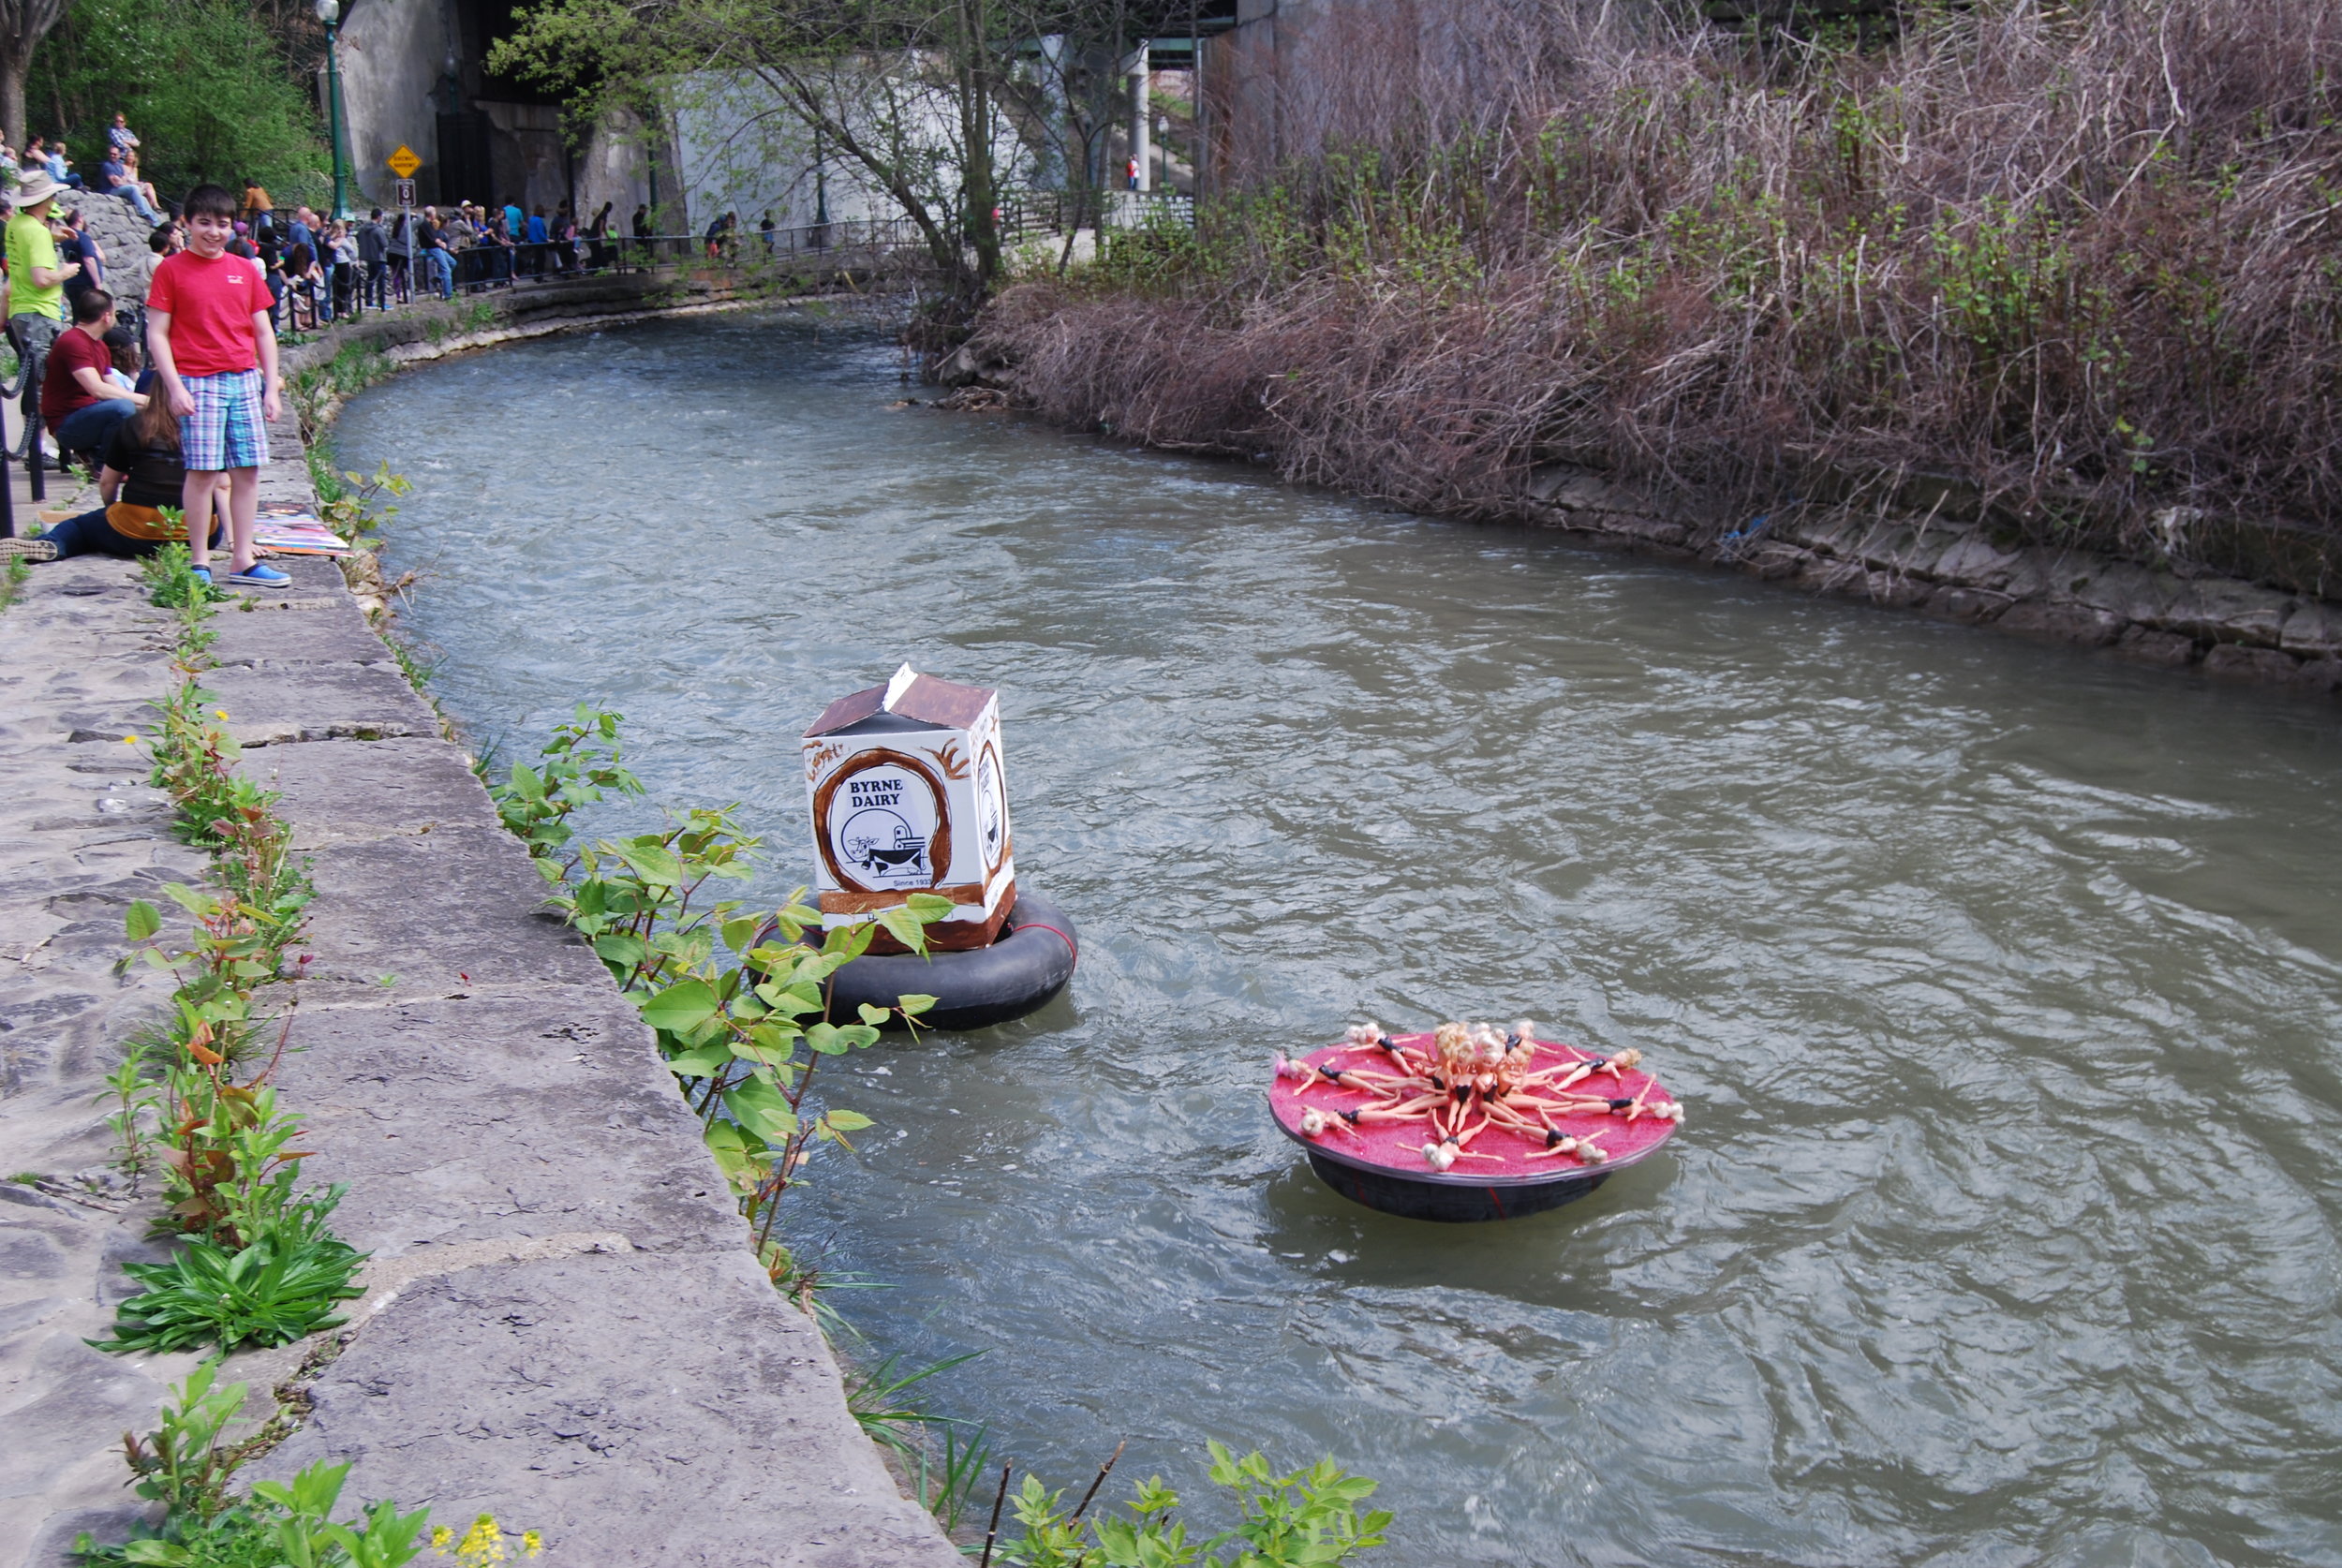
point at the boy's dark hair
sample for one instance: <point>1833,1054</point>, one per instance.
<point>90,304</point>
<point>210,201</point>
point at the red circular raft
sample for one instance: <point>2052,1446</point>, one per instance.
<point>1499,1173</point>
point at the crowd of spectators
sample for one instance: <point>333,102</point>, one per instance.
<point>317,269</point>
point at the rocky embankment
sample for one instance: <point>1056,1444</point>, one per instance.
<point>2238,600</point>
<point>2171,612</point>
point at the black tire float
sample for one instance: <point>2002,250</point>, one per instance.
<point>1016,976</point>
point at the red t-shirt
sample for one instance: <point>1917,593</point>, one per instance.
<point>60,393</point>
<point>211,305</point>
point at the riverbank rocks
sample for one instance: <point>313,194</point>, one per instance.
<point>2175,615</point>
<point>121,234</point>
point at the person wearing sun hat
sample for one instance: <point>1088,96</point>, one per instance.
<point>36,278</point>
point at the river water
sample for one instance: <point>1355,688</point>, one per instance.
<point>2003,980</point>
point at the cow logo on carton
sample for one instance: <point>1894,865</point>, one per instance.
<point>909,795</point>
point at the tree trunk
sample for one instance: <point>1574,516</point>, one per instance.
<point>22,24</point>
<point>12,65</point>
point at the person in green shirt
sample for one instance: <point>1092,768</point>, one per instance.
<point>36,281</point>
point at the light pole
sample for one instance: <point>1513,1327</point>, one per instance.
<point>330,13</point>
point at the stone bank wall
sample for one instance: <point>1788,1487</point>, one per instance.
<point>563,1323</point>
<point>2173,614</point>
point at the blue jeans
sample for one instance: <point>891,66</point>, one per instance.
<point>442,267</point>
<point>90,534</point>
<point>139,203</point>
<point>90,428</point>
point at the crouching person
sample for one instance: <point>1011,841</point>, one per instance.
<point>215,359</point>
<point>142,475</point>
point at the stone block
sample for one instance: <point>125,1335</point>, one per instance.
<point>326,628</point>
<point>484,916</point>
<point>491,1115</point>
<point>2321,674</point>
<point>1772,561</point>
<point>1967,606</point>
<point>2064,622</point>
<point>2240,662</point>
<point>1973,559</point>
<point>2121,588</point>
<point>2167,648</point>
<point>637,1410</point>
<point>1563,488</point>
<point>310,703</point>
<point>2312,631</point>
<point>1906,551</point>
<point>343,791</point>
<point>2218,609</point>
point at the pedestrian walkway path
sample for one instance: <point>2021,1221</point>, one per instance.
<point>564,1325</point>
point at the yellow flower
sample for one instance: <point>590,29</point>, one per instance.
<point>531,1543</point>
<point>441,1536</point>
<point>222,712</point>
<point>483,1544</point>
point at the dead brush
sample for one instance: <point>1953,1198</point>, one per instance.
<point>2086,256</point>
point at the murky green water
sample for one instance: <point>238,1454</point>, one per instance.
<point>2004,981</point>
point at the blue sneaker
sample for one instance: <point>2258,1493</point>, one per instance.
<point>202,574</point>
<point>261,575</point>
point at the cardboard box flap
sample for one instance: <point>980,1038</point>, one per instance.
<point>909,702</point>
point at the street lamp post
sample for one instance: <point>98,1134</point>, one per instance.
<point>330,13</point>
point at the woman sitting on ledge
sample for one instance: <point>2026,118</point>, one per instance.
<point>143,474</point>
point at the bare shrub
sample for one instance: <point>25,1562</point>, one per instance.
<point>2084,254</point>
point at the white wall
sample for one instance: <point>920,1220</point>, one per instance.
<point>393,53</point>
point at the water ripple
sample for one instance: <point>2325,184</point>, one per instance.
<point>2003,980</point>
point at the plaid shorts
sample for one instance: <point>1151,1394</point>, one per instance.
<point>226,431</point>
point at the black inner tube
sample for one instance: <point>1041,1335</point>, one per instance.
<point>1016,976</point>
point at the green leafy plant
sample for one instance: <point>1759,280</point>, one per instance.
<point>1307,1518</point>
<point>743,1038</point>
<point>284,1285</point>
<point>169,574</point>
<point>185,1467</point>
<point>879,1403</point>
<point>580,766</point>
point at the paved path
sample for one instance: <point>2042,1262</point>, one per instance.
<point>564,1325</point>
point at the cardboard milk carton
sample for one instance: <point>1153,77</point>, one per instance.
<point>909,796</point>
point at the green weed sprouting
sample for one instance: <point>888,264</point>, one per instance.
<point>186,1467</point>
<point>171,580</point>
<point>1307,1518</point>
<point>286,1285</point>
<point>192,1094</point>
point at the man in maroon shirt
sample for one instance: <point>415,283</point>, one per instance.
<point>81,408</point>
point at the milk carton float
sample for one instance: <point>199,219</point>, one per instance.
<point>909,795</point>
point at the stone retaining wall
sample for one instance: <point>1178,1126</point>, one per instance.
<point>563,1323</point>
<point>2173,614</point>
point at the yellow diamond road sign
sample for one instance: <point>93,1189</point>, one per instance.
<point>403,163</point>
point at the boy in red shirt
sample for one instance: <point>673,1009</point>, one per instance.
<point>215,357</point>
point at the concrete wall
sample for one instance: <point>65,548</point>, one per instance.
<point>393,57</point>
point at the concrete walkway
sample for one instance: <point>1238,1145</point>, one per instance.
<point>564,1325</point>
